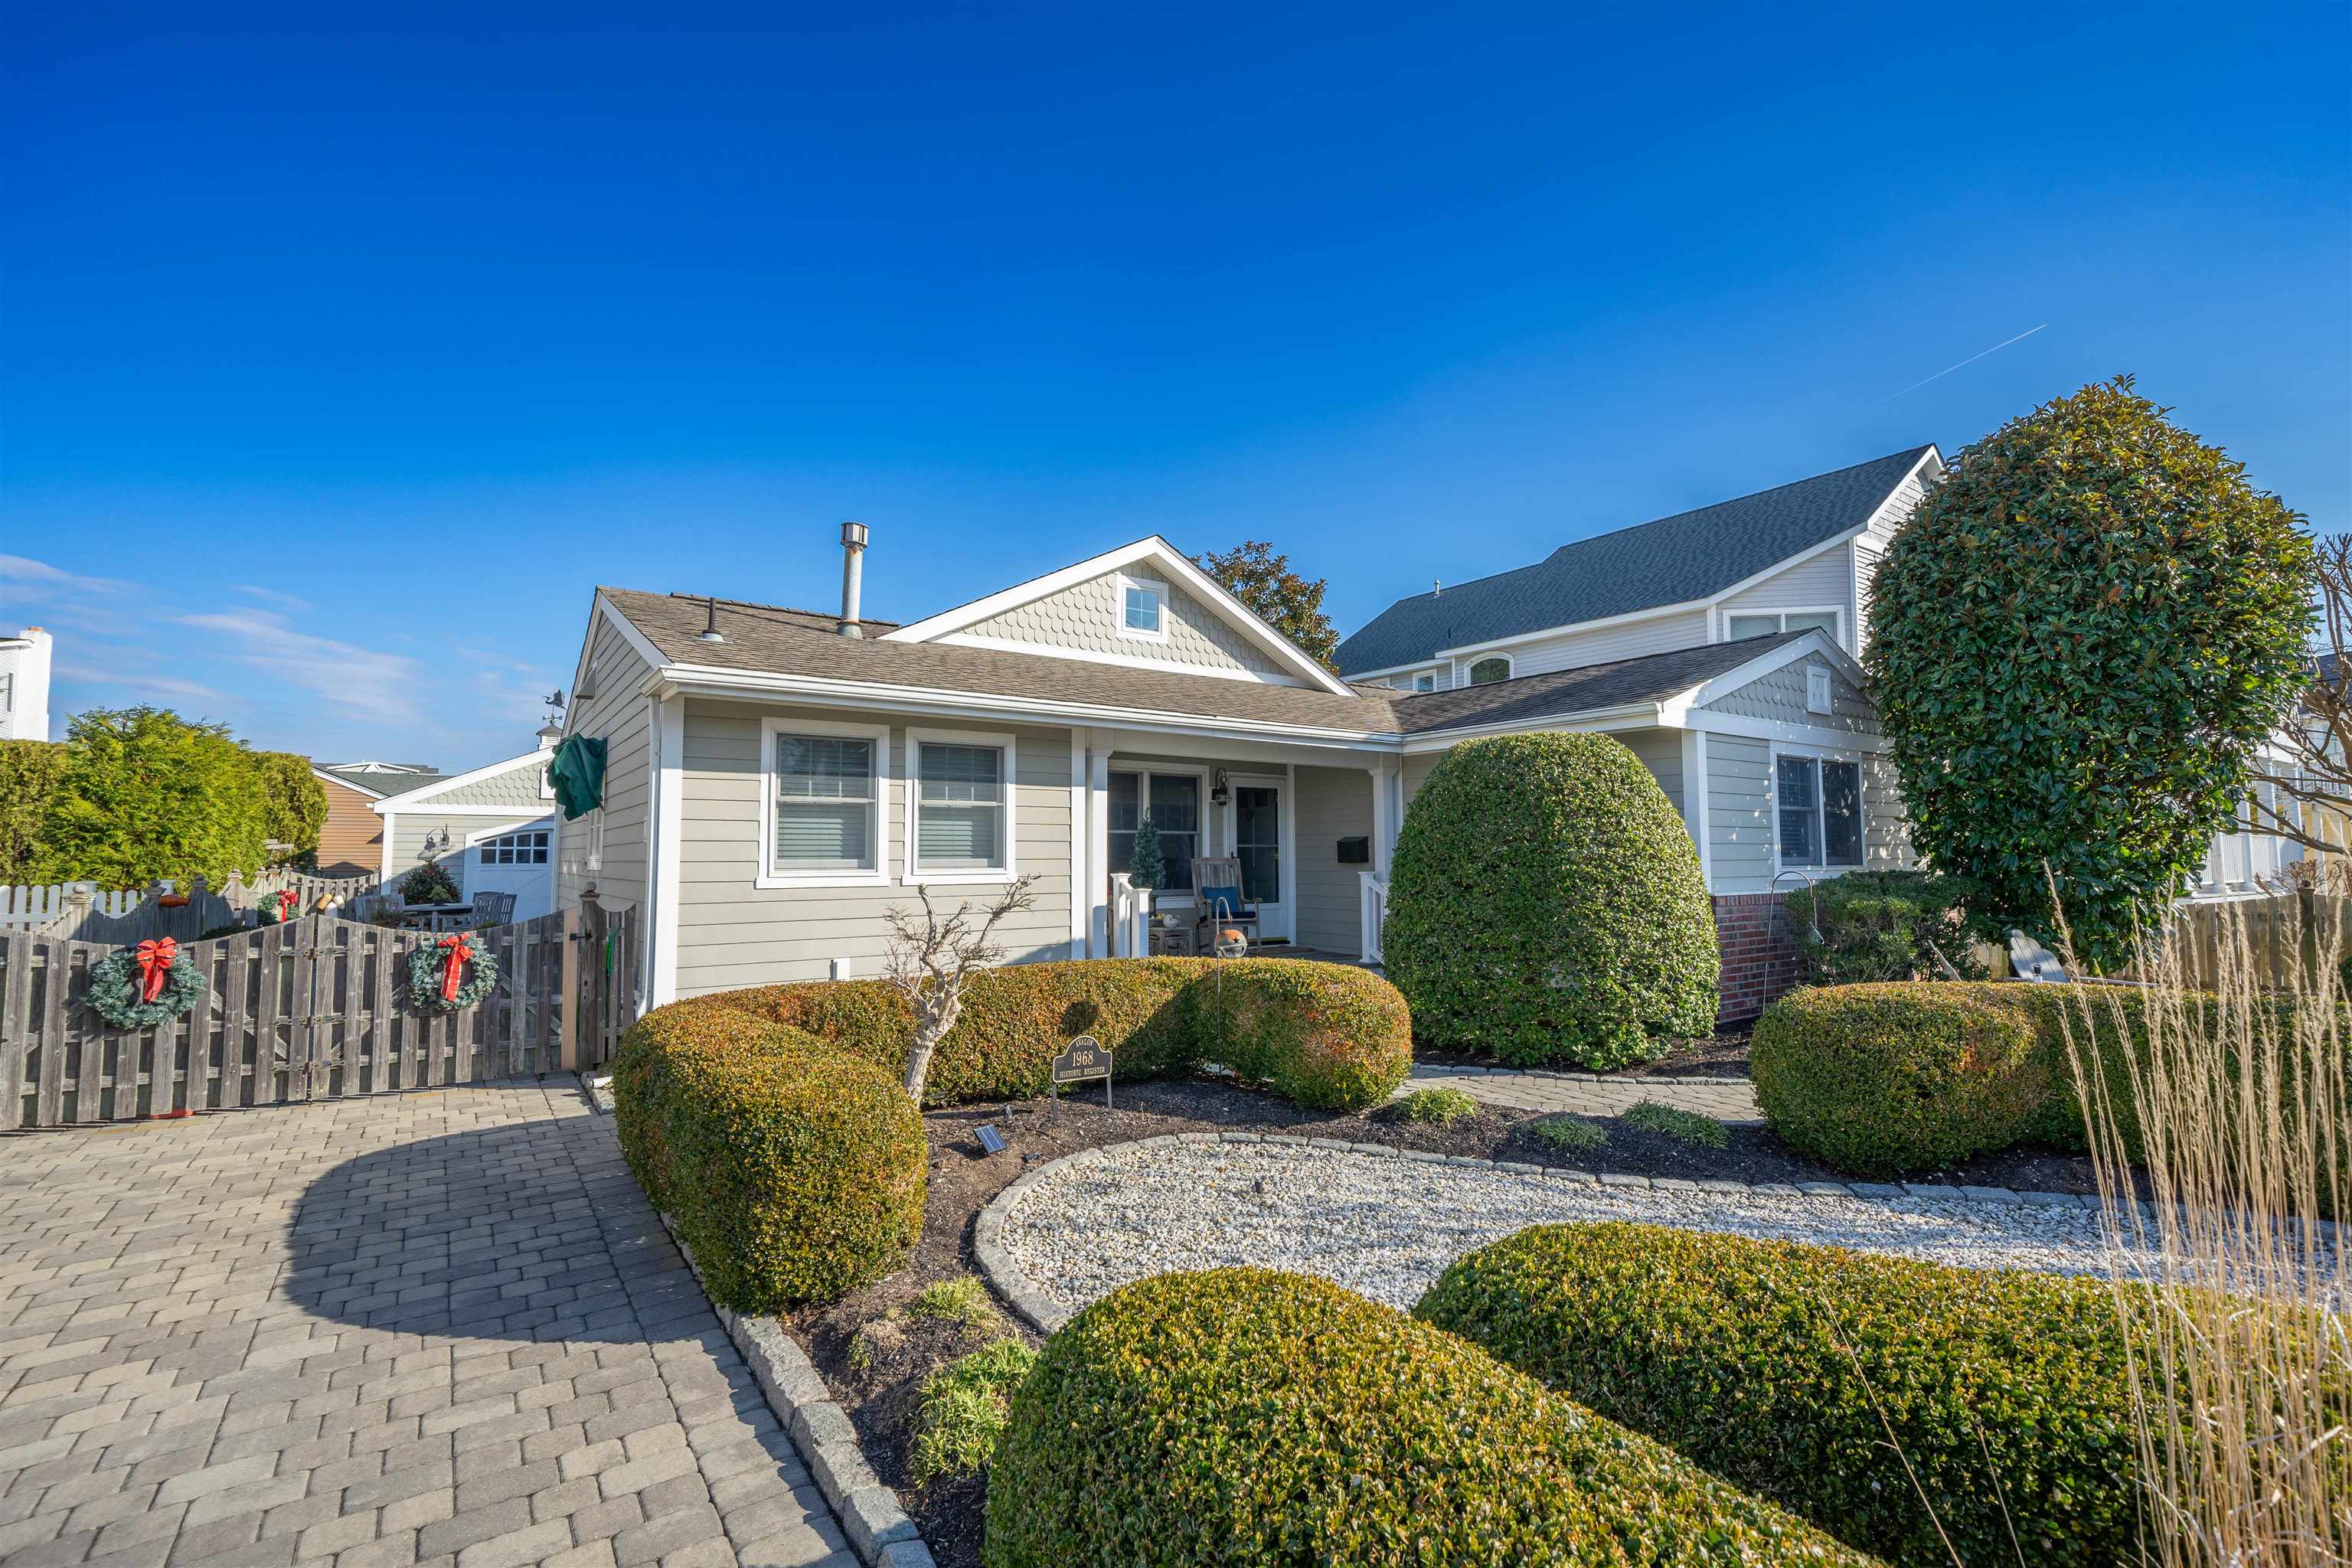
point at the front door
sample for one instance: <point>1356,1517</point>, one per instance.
<point>1253,828</point>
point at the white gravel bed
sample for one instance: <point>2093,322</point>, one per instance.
<point>1387,1227</point>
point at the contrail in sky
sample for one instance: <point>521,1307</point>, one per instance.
<point>1971,359</point>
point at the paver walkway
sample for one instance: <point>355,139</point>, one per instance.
<point>439,1328</point>
<point>1590,1096</point>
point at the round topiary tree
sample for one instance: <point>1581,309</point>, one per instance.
<point>2079,640</point>
<point>1547,905</point>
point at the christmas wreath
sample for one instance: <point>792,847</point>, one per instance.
<point>139,987</point>
<point>437,978</point>
<point>278,907</point>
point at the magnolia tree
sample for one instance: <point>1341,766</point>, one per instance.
<point>930,959</point>
<point>2308,766</point>
<point>1291,604</point>
<point>2080,642</point>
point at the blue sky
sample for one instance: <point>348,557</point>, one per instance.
<point>337,365</point>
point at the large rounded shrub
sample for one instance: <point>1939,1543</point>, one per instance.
<point>1327,1036</point>
<point>1247,1416</point>
<point>794,1171</point>
<point>1546,905</point>
<point>1884,1078</point>
<point>1840,1383</point>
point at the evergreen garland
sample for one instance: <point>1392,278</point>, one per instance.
<point>426,965</point>
<point>116,986</point>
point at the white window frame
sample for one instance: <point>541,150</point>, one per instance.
<point>1818,754</point>
<point>1821,690</point>
<point>1170,898</point>
<point>878,874</point>
<point>1118,608</point>
<point>912,791</point>
<point>478,842</point>
<point>1424,681</point>
<point>1462,667</point>
<point>1780,621</point>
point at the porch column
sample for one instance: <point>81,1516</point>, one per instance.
<point>1387,811</point>
<point>1081,876</point>
<point>1694,802</point>
<point>1097,889</point>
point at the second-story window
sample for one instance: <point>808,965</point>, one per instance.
<point>1488,671</point>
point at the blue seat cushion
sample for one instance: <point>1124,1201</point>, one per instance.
<point>1228,900</point>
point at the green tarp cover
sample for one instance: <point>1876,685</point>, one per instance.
<point>577,772</point>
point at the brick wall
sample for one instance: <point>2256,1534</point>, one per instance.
<point>1759,961</point>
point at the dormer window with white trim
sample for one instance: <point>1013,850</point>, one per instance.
<point>1490,670</point>
<point>1764,624</point>
<point>1142,608</point>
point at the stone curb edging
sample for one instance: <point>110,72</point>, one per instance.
<point>1046,1315</point>
<point>878,1529</point>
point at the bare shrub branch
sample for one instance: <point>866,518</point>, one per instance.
<point>928,961</point>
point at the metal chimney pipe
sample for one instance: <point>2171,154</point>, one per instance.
<point>852,573</point>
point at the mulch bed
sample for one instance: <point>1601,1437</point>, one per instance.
<point>874,1354</point>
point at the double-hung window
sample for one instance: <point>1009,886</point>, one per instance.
<point>1819,807</point>
<point>824,805</point>
<point>959,807</point>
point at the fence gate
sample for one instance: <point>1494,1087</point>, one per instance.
<point>315,1008</point>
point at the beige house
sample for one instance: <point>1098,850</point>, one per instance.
<point>776,780</point>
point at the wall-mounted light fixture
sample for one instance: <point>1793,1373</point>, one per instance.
<point>1221,791</point>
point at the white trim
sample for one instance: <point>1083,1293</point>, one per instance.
<point>1079,903</point>
<point>1599,622</point>
<point>1203,840</point>
<point>1462,668</point>
<point>639,644</point>
<point>1715,724</point>
<point>1818,754</point>
<point>1821,690</point>
<point>327,778</point>
<point>1284,847</point>
<point>1121,660</point>
<point>1181,573</point>
<point>1123,582</point>
<point>1695,803</point>
<point>1290,847</point>
<point>1630,716</point>
<point>765,875</point>
<point>391,819</point>
<point>498,829</point>
<point>1003,740</point>
<point>702,680</point>
<point>401,803</point>
<point>1780,623</point>
<point>1100,744</point>
<point>476,775</point>
<point>1717,687</point>
<point>667,815</point>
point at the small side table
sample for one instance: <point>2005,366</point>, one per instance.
<point>1172,941</point>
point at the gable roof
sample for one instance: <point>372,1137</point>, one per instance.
<point>1158,553</point>
<point>1588,688</point>
<point>426,789</point>
<point>778,649</point>
<point>379,780</point>
<point>1690,556</point>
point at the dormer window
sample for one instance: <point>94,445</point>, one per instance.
<point>1142,609</point>
<point>1488,671</point>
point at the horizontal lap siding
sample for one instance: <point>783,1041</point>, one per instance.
<point>409,830</point>
<point>732,933</point>
<point>623,720</point>
<point>1332,804</point>
<point>1738,814</point>
<point>1823,583</point>
<point>1779,697</point>
<point>1662,634</point>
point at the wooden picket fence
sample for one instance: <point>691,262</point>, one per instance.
<point>315,1008</point>
<point>82,912</point>
<point>2282,938</point>
<point>30,905</point>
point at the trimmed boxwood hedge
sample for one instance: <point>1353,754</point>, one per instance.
<point>1785,1369</point>
<point>1326,1036</point>
<point>794,1171</point>
<point>1248,1417</point>
<point>1880,1079</point>
<point>1547,905</point>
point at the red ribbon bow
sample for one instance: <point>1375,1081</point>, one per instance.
<point>156,958</point>
<point>456,950</point>
<point>285,903</point>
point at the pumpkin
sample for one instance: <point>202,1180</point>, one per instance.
<point>172,900</point>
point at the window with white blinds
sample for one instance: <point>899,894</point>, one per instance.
<point>823,803</point>
<point>959,807</point>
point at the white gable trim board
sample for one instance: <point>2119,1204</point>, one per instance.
<point>1158,553</point>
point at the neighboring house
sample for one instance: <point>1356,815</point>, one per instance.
<point>778,780</point>
<point>492,829</point>
<point>25,686</point>
<point>351,841</point>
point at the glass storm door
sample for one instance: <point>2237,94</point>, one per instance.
<point>1254,823</point>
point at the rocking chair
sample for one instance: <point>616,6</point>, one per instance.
<point>1218,906</point>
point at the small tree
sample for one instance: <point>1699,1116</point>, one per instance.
<point>428,884</point>
<point>294,803</point>
<point>1147,863</point>
<point>2079,640</point>
<point>29,771</point>
<point>2308,767</point>
<point>927,963</point>
<point>1252,573</point>
<point>146,794</point>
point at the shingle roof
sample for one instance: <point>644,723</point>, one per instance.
<point>1672,561</point>
<point>770,641</point>
<point>386,782</point>
<point>1564,693</point>
<point>796,642</point>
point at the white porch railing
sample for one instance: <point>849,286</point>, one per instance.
<point>1373,913</point>
<point>1130,918</point>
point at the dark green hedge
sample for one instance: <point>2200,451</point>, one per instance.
<point>1329,1037</point>
<point>1782,1368</point>
<point>1547,905</point>
<point>1879,1079</point>
<point>29,771</point>
<point>1886,925</point>
<point>795,1171</point>
<point>1242,1416</point>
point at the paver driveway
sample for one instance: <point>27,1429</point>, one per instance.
<point>438,1328</point>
